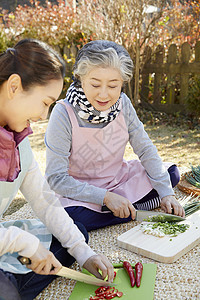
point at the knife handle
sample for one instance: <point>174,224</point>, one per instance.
<point>24,260</point>
<point>105,208</point>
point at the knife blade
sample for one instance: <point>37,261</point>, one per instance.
<point>72,274</point>
<point>69,273</point>
<point>145,214</point>
<point>142,215</point>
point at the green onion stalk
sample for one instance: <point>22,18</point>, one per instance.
<point>194,176</point>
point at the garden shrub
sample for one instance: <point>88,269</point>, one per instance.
<point>3,42</point>
<point>56,24</point>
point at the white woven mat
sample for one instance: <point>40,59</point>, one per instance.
<point>180,280</point>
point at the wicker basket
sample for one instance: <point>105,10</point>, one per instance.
<point>187,187</point>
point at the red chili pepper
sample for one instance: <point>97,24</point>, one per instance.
<point>127,266</point>
<point>119,294</point>
<point>111,296</point>
<point>96,298</point>
<point>101,289</point>
<point>103,294</point>
<point>106,293</point>
<point>138,271</point>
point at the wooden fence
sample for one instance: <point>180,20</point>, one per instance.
<point>166,80</point>
<point>175,73</point>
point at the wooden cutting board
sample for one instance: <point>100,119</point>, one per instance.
<point>166,249</point>
<point>83,291</point>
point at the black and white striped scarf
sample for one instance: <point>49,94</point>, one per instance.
<point>76,97</point>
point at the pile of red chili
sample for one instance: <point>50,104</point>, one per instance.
<point>106,292</point>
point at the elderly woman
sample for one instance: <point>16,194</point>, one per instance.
<point>86,139</point>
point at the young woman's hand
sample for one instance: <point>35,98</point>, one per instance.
<point>119,205</point>
<point>169,202</point>
<point>100,262</point>
<point>43,262</point>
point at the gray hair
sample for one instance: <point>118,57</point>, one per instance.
<point>102,53</point>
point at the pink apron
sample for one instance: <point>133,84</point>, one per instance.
<point>97,158</point>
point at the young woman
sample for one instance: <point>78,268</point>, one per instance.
<point>86,139</point>
<point>31,79</point>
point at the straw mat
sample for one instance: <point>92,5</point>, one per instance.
<point>180,280</point>
<point>186,187</point>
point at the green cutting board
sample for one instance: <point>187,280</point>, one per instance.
<point>83,291</point>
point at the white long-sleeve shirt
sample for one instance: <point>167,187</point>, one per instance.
<point>48,209</point>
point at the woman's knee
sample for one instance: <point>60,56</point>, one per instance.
<point>174,175</point>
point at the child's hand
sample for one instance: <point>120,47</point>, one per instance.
<point>169,202</point>
<point>44,262</point>
<point>119,205</point>
<point>100,262</point>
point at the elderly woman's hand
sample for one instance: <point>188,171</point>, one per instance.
<point>168,203</point>
<point>119,205</point>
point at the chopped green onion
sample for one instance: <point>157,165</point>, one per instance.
<point>161,229</point>
<point>156,218</point>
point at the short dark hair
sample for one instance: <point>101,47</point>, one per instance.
<point>34,61</point>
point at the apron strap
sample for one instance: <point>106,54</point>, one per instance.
<point>71,113</point>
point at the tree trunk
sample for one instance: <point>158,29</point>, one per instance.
<point>137,70</point>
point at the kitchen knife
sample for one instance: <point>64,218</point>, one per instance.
<point>142,215</point>
<point>72,274</point>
